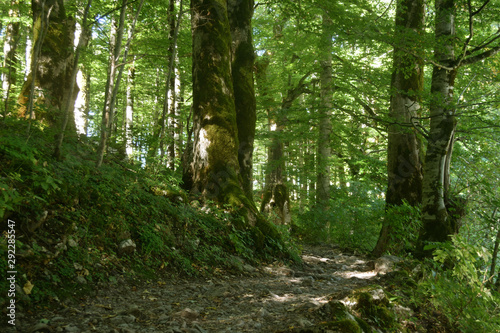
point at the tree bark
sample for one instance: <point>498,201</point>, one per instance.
<point>437,224</point>
<point>215,167</point>
<point>242,66</point>
<point>325,122</point>
<point>129,113</point>
<point>10,58</point>
<point>70,103</point>
<point>52,64</point>
<point>404,149</point>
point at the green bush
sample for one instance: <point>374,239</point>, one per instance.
<point>456,284</point>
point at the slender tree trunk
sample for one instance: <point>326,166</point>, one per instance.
<point>276,195</point>
<point>494,254</point>
<point>404,149</point>
<point>437,224</point>
<point>325,123</point>
<point>82,103</point>
<point>113,83</point>
<point>10,55</point>
<point>169,96</point>
<point>129,113</point>
<point>115,41</point>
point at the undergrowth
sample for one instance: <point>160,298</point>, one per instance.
<point>71,217</point>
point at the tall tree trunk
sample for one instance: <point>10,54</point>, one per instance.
<point>115,42</point>
<point>242,63</point>
<point>52,64</point>
<point>82,103</point>
<point>215,166</point>
<point>437,224</point>
<point>169,95</point>
<point>404,149</point>
<point>325,123</point>
<point>10,55</point>
<point>70,103</point>
<point>128,119</point>
<point>113,83</point>
<point>276,196</point>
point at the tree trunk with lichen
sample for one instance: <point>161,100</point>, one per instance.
<point>404,149</point>
<point>52,69</point>
<point>437,222</point>
<point>215,167</point>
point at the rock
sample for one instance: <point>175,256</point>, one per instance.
<point>56,319</point>
<point>40,328</point>
<point>81,280</point>
<point>72,243</point>
<point>307,281</point>
<point>187,313</point>
<point>71,328</point>
<point>386,264</point>
<point>249,268</point>
<point>126,246</point>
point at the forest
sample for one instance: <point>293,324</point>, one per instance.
<point>250,166</point>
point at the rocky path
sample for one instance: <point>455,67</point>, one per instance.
<point>265,299</point>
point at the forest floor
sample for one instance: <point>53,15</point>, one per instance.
<point>271,298</point>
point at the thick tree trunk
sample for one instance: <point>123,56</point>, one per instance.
<point>325,123</point>
<point>242,63</point>
<point>437,223</point>
<point>215,167</point>
<point>10,58</point>
<point>68,107</point>
<point>52,64</point>
<point>215,164</point>
<point>404,149</point>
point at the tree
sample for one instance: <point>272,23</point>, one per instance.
<point>325,122</point>
<point>10,54</point>
<point>215,168</point>
<point>52,64</point>
<point>242,67</point>
<point>404,148</point>
<point>115,71</point>
<point>440,210</point>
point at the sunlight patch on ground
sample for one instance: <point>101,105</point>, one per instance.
<point>356,274</point>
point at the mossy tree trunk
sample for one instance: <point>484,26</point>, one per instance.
<point>242,66</point>
<point>52,57</point>
<point>10,50</point>
<point>215,167</point>
<point>404,149</point>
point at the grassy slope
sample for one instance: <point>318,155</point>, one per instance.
<point>89,212</point>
